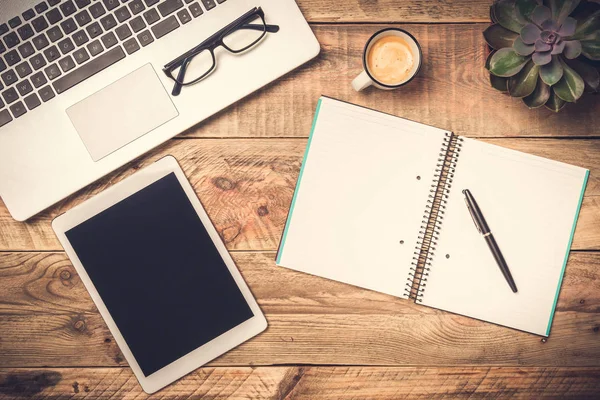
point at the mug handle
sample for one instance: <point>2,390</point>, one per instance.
<point>361,82</point>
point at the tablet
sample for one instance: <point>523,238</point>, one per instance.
<point>159,274</point>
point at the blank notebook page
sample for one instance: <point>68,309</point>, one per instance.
<point>358,196</point>
<point>531,205</point>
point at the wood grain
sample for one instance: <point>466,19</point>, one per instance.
<point>247,187</point>
<point>329,383</point>
<point>396,11</point>
<point>451,92</point>
<point>47,318</point>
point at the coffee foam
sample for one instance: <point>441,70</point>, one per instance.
<point>390,60</point>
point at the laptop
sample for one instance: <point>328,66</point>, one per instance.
<point>83,91</point>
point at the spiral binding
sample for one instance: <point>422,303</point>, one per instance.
<point>433,217</point>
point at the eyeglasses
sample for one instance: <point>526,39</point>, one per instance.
<point>239,36</point>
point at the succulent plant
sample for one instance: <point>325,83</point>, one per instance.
<point>546,52</point>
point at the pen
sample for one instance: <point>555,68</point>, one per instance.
<point>484,229</point>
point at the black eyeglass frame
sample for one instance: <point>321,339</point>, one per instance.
<point>215,41</point>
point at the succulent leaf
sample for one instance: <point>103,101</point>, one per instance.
<point>499,37</point>
<point>526,7</point>
<point>542,58</point>
<point>588,73</point>
<point>568,27</point>
<point>506,63</point>
<point>499,83</point>
<point>550,25</point>
<point>561,9</point>
<point>530,33</point>
<point>493,14</point>
<point>558,48</point>
<point>541,14</point>
<point>591,47</point>
<point>570,87</point>
<point>522,48</point>
<point>542,46</point>
<point>506,14</point>
<point>588,26</point>
<point>523,83</point>
<point>555,103</point>
<point>572,49</point>
<point>539,97</point>
<point>551,72</point>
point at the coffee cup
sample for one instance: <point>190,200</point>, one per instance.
<point>392,58</point>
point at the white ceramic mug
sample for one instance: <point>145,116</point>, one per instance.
<point>366,79</point>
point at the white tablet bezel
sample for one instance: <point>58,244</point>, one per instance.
<point>202,354</point>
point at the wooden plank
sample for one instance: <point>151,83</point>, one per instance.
<point>452,91</point>
<point>247,187</point>
<point>310,382</point>
<point>396,11</point>
<point>47,318</point>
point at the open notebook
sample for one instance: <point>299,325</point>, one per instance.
<point>362,214</point>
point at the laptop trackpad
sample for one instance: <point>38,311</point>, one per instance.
<point>122,112</point>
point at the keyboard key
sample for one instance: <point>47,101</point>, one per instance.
<point>25,31</point>
<point>12,57</point>
<point>40,42</point>
<point>10,95</point>
<point>151,16</point>
<point>164,27</point>
<point>94,30</point>
<point>109,40</point>
<point>196,9</point>
<point>97,10</point>
<point>38,79</point>
<point>53,71</point>
<point>169,7</point>
<point>9,77</point>
<point>66,63</point>
<point>87,70</point>
<point>123,14</point>
<point>11,40</point>
<point>54,34</point>
<point>14,22</point>
<point>80,37</point>
<point>26,49</point>
<point>32,101</point>
<point>68,8</point>
<point>82,3</point>
<point>136,7</point>
<point>46,93</point>
<point>2,47</point>
<point>150,3</point>
<point>5,117</point>
<point>209,4</point>
<point>53,16</point>
<point>131,46</point>
<point>111,4</point>
<point>24,87</point>
<point>137,24</point>
<point>27,15</point>
<point>66,45</point>
<point>123,32</point>
<point>83,18</point>
<point>81,56</point>
<point>108,22</point>
<point>41,7</point>
<point>53,2</point>
<point>51,53</point>
<point>184,16</point>
<point>18,109</point>
<point>39,24</point>
<point>23,69</point>
<point>95,48</point>
<point>68,25</point>
<point>2,65</point>
<point>145,38</point>
<point>3,29</point>
<point>188,1</point>
<point>38,61</point>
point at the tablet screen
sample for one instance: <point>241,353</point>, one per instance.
<point>159,274</point>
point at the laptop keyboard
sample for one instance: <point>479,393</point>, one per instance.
<point>58,44</point>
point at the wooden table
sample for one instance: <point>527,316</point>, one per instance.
<point>325,340</point>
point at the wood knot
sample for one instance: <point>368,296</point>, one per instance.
<point>596,329</point>
<point>230,233</point>
<point>262,211</point>
<point>76,387</point>
<point>79,325</point>
<point>65,275</point>
<point>581,301</point>
<point>224,183</point>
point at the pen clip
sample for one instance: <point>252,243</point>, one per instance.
<point>473,216</point>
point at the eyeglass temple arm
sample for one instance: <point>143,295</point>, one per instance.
<point>177,87</point>
<point>260,27</point>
